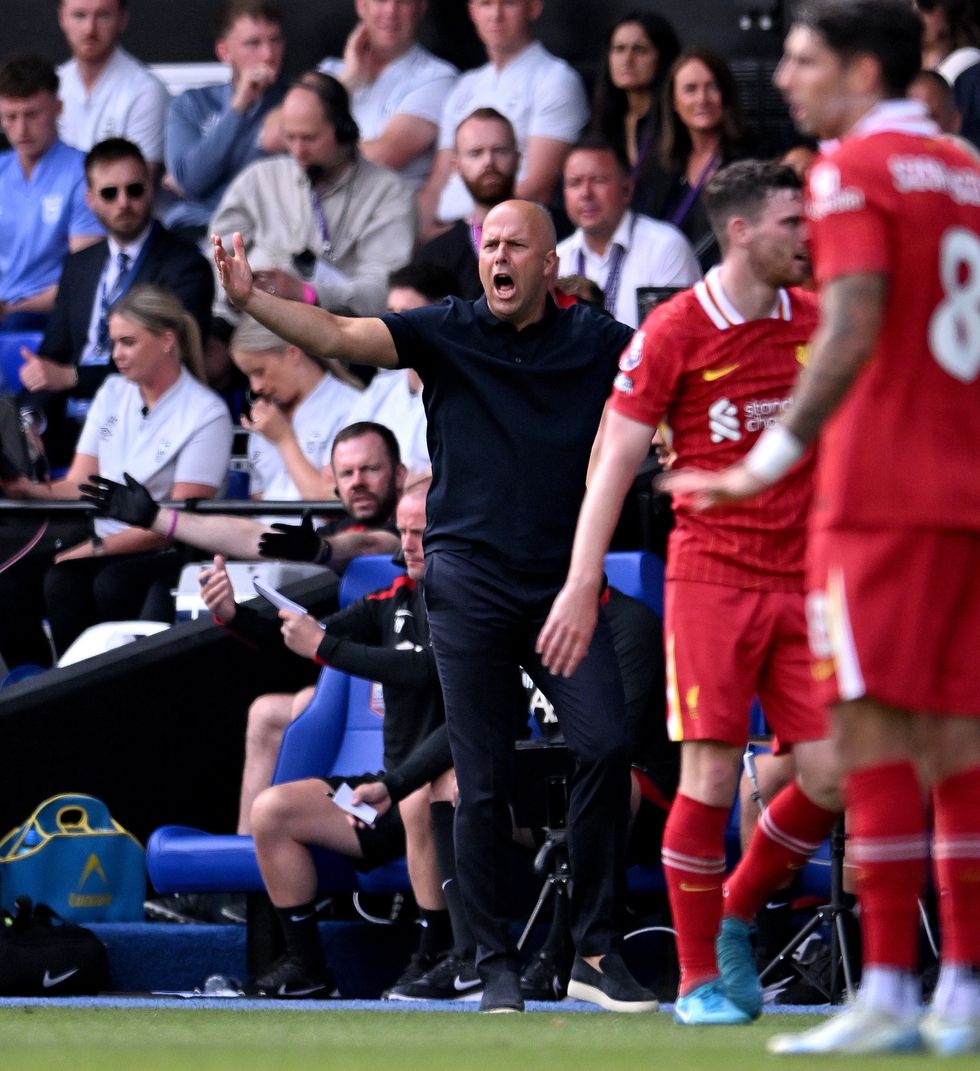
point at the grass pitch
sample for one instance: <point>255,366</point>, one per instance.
<point>49,1038</point>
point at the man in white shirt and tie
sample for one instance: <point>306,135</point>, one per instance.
<point>618,249</point>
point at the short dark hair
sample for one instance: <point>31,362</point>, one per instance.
<point>432,281</point>
<point>593,141</point>
<point>742,189</point>
<point>23,76</point>
<point>123,4</point>
<point>368,427</point>
<point>889,30</point>
<point>232,10</point>
<point>336,104</point>
<point>110,151</point>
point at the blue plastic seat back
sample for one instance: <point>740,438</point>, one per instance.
<point>311,743</point>
<point>640,574</point>
<point>10,358</point>
<point>370,572</point>
<point>361,749</point>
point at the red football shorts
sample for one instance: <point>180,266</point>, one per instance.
<point>724,645</point>
<point>895,616</point>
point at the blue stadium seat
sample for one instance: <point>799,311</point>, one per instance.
<point>639,573</point>
<point>10,358</point>
<point>338,733</point>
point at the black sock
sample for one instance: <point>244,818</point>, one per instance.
<point>443,817</point>
<point>437,932</point>
<point>299,928</point>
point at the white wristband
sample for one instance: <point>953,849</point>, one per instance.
<point>775,453</point>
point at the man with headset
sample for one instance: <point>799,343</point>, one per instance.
<point>323,225</point>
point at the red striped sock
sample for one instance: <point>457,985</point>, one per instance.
<point>888,845</point>
<point>789,831</point>
<point>694,866</point>
<point>956,863</point>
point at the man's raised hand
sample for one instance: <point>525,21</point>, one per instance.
<point>234,270</point>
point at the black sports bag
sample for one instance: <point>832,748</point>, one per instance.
<point>41,955</point>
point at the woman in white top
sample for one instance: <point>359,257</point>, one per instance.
<point>300,403</point>
<point>155,420</point>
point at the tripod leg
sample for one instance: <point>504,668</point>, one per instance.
<point>839,948</point>
<point>786,954</point>
<point>546,891</point>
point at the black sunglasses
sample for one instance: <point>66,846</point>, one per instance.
<point>133,190</point>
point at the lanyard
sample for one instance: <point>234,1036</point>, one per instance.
<point>677,216</point>
<point>611,290</point>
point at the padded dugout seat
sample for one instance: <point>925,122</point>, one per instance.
<point>339,733</point>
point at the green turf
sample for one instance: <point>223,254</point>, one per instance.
<point>112,1039</point>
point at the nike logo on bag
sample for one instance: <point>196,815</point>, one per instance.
<point>709,375</point>
<point>47,981</point>
<point>461,987</point>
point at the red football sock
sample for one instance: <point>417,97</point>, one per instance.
<point>694,866</point>
<point>956,863</point>
<point>789,831</point>
<point>887,843</point>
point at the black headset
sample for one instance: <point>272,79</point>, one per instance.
<point>336,104</point>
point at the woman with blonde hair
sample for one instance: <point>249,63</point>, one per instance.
<point>155,419</point>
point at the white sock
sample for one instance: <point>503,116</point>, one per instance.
<point>957,994</point>
<point>892,990</point>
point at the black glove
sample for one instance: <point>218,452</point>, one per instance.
<point>294,542</point>
<point>130,503</point>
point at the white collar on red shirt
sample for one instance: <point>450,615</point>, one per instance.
<point>890,116</point>
<point>722,313</point>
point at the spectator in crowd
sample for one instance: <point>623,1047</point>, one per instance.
<point>325,225</point>
<point>618,249</point>
<point>540,94</point>
<point>43,214</point>
<point>216,131</point>
<point>75,355</point>
<point>397,88</point>
<point>106,92</point>
<point>486,159</point>
<point>156,418</point>
<point>299,406</point>
<point>626,105</point>
<point>931,89</point>
<point>702,131</point>
<point>394,396</point>
<point>959,64</point>
<point>369,477</point>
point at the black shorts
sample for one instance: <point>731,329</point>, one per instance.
<point>382,842</point>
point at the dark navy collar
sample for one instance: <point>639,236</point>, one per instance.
<point>481,310</point>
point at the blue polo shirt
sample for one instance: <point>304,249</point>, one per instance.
<point>511,420</point>
<point>37,217</point>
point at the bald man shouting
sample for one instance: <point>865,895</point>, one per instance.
<point>514,390</point>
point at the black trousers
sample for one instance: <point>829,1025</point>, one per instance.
<point>484,619</point>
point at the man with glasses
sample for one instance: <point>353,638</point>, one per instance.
<point>75,356</point>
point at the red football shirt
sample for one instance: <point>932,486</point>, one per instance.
<point>904,446</point>
<point>718,381</point>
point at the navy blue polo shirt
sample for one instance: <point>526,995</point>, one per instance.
<point>511,419</point>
